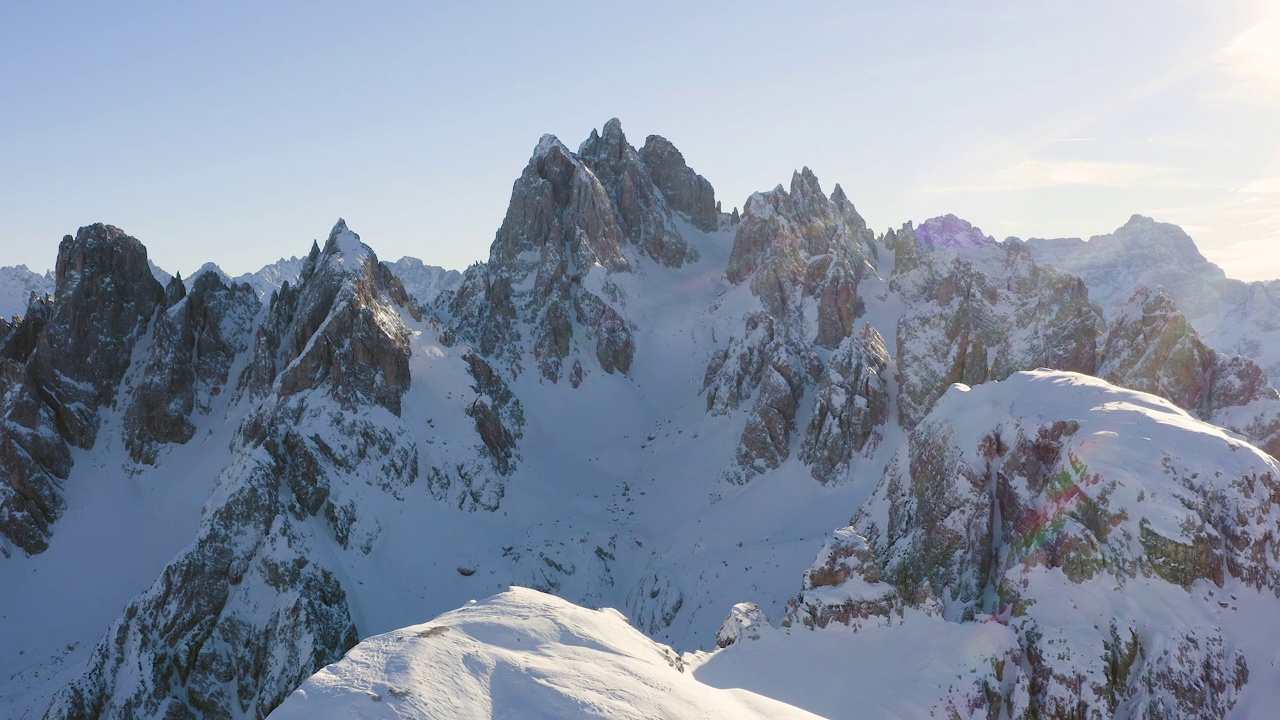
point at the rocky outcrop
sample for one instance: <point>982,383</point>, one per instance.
<point>981,313</point>
<point>1020,520</point>
<point>845,586</point>
<point>801,254</point>
<point>194,343</point>
<point>644,215</point>
<point>850,407</point>
<point>685,191</point>
<point>331,329</point>
<point>251,608</point>
<point>60,365</point>
<point>1152,347</point>
<point>746,621</point>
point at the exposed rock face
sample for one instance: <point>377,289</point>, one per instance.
<point>104,298</point>
<point>981,316</point>
<point>1151,346</point>
<point>497,412</point>
<point>61,364</point>
<point>799,245</point>
<point>546,294</point>
<point>561,223</point>
<point>685,191</point>
<point>1015,522</point>
<point>845,586</point>
<point>328,327</point>
<point>644,214</point>
<point>798,250</point>
<point>249,610</point>
<point>195,340</point>
<point>850,408</point>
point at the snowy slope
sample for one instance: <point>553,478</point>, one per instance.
<point>519,654</point>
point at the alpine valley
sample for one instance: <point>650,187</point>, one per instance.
<point>652,459</point>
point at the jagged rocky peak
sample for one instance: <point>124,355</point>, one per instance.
<point>643,210</point>
<point>978,312</point>
<point>685,190</point>
<point>951,231</point>
<point>804,254</point>
<point>803,244</point>
<point>60,366</point>
<point>570,216</point>
<point>337,326</point>
<point>559,209</point>
<point>104,296</point>
<point>195,341</point>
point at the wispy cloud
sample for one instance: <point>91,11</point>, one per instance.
<point>1036,174</point>
<point>1252,59</point>
<point>1263,186</point>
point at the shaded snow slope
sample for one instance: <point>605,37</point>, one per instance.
<point>519,654</point>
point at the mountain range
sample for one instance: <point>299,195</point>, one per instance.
<point>651,459</point>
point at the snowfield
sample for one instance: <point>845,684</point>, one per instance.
<point>519,654</point>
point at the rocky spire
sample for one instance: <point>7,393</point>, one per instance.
<point>61,366</point>
<point>685,191</point>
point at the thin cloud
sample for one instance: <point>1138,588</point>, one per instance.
<point>1037,174</point>
<point>1252,59</point>
<point>1264,186</point>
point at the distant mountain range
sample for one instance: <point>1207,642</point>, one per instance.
<point>816,470</point>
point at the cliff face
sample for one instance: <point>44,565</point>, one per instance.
<point>61,366</point>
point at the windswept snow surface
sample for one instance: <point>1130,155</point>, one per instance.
<point>520,654</point>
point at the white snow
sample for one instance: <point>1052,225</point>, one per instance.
<point>519,654</point>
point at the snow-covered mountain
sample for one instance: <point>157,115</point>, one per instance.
<point>1233,316</point>
<point>17,283</point>
<point>643,403</point>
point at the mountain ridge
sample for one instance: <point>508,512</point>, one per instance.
<point>639,402</point>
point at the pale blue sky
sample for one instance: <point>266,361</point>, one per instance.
<point>238,132</point>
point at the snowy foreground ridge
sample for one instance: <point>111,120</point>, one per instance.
<point>519,654</point>
<point>652,459</point>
